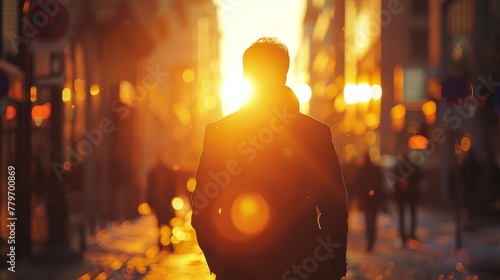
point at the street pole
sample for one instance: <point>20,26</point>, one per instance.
<point>458,202</point>
<point>23,152</point>
<point>57,205</point>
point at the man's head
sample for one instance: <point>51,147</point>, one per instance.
<point>266,62</point>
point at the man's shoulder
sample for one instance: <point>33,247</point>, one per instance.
<point>225,122</point>
<point>309,123</point>
<point>240,119</point>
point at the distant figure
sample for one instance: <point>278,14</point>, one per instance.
<point>264,174</point>
<point>407,194</point>
<point>161,191</point>
<point>350,170</point>
<point>494,178</point>
<point>470,173</point>
<point>370,197</point>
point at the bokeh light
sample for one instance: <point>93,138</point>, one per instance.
<point>465,143</point>
<point>191,184</point>
<point>33,93</point>
<point>177,203</point>
<point>66,95</point>
<point>376,92</point>
<point>398,114</point>
<point>10,112</point>
<point>94,90</point>
<point>188,76</point>
<point>364,93</point>
<point>144,209</point>
<point>350,94</point>
<point>418,142</point>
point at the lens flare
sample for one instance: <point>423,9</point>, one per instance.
<point>250,213</point>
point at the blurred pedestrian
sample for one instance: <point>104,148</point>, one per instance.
<point>370,197</point>
<point>264,174</point>
<point>350,170</point>
<point>494,178</point>
<point>161,190</point>
<point>470,173</point>
<point>407,194</point>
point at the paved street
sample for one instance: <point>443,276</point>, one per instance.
<point>128,251</point>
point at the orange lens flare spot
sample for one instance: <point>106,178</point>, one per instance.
<point>10,112</point>
<point>413,244</point>
<point>191,184</point>
<point>177,203</point>
<point>418,142</point>
<point>250,213</point>
<point>144,209</point>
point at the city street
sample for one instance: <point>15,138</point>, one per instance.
<point>128,251</point>
<point>249,118</point>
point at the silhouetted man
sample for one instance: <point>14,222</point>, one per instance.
<point>264,174</point>
<point>471,171</point>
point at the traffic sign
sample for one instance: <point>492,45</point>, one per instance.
<point>53,23</point>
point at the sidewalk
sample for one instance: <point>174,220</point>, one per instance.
<point>433,256</point>
<point>128,251</point>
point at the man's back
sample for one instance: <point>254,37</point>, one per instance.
<point>264,174</point>
<point>282,166</point>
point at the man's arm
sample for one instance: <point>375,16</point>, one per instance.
<point>332,203</point>
<point>204,218</point>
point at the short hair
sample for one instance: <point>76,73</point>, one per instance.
<point>267,58</point>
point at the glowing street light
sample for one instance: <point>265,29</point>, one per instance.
<point>376,92</point>
<point>364,93</point>
<point>350,94</point>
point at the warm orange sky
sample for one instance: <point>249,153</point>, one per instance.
<point>244,21</point>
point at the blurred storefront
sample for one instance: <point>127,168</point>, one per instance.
<point>408,79</point>
<point>114,85</point>
<point>385,75</point>
<point>342,43</point>
<point>469,80</point>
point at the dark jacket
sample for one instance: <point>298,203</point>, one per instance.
<point>369,187</point>
<point>409,176</point>
<point>263,173</point>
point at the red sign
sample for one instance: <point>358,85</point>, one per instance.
<point>50,20</point>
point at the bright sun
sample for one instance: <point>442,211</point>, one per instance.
<point>234,92</point>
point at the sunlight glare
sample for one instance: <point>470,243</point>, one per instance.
<point>376,92</point>
<point>234,93</point>
<point>364,93</point>
<point>303,93</point>
<point>350,94</point>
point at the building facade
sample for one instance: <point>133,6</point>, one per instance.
<point>113,85</point>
